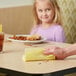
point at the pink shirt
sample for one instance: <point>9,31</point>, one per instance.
<point>53,33</point>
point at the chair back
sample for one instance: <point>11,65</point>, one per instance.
<point>68,12</point>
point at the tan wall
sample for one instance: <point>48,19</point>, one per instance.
<point>16,20</point>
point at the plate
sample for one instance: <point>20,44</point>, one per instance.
<point>26,41</point>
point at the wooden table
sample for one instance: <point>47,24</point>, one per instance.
<point>11,61</point>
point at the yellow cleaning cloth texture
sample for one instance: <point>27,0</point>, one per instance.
<point>36,54</point>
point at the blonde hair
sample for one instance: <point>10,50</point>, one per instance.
<point>57,14</point>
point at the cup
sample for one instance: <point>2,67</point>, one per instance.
<point>1,41</point>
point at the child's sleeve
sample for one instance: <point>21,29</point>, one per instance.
<point>59,35</point>
<point>33,31</point>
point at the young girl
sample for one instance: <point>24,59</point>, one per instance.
<point>48,20</point>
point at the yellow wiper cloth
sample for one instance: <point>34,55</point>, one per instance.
<point>36,54</point>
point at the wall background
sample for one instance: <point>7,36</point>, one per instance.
<point>16,20</point>
<point>16,16</point>
<point>14,3</point>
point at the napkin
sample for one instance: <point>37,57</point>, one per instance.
<point>36,54</point>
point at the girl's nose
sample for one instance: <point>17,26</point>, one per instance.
<point>44,13</point>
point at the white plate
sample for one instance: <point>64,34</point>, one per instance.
<point>26,41</point>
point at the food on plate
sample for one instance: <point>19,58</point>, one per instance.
<point>34,37</point>
<point>18,37</point>
<point>27,37</point>
<point>36,54</point>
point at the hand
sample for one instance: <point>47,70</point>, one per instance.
<point>56,51</point>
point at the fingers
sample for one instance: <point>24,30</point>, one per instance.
<point>56,51</point>
<point>48,51</point>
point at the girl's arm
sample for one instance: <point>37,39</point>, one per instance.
<point>59,34</point>
<point>34,30</point>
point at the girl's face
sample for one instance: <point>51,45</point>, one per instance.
<point>44,11</point>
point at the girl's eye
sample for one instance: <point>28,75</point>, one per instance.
<point>48,9</point>
<point>40,10</point>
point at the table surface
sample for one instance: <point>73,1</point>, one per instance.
<point>11,59</point>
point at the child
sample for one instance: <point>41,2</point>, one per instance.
<point>61,53</point>
<point>48,20</point>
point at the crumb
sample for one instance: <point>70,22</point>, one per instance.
<point>39,63</point>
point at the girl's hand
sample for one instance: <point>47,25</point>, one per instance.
<point>56,51</point>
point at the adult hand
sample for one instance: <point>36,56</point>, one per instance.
<point>60,53</point>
